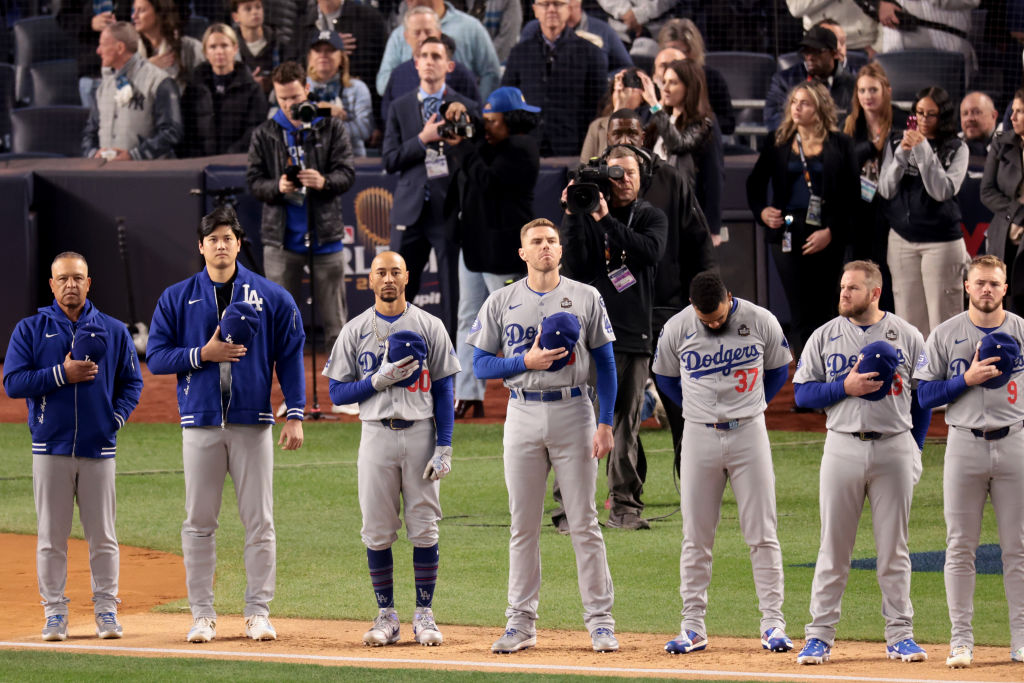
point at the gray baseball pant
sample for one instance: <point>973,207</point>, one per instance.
<point>246,452</point>
<point>975,469</point>
<point>885,472</point>
<point>57,481</point>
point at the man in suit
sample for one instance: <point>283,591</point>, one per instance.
<point>415,150</point>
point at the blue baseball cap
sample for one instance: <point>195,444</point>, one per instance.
<point>506,99</point>
<point>560,331</point>
<point>90,343</point>
<point>1006,349</point>
<point>880,357</point>
<point>239,323</point>
<point>407,343</point>
<point>331,38</point>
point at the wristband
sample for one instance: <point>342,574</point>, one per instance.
<point>655,108</point>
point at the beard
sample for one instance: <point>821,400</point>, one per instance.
<point>854,310</point>
<point>720,330</point>
<point>987,306</point>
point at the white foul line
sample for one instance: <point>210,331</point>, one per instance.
<point>420,663</point>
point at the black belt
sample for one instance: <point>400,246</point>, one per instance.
<point>868,436</point>
<point>395,423</point>
<point>545,396</point>
<point>993,435</point>
<point>724,426</point>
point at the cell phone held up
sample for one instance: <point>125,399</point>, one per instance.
<point>912,122</point>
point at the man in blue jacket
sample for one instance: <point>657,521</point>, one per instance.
<point>224,400</point>
<point>75,407</point>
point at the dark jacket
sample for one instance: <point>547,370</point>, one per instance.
<point>289,19</point>
<point>197,118</point>
<point>266,59</point>
<point>371,34</point>
<point>720,100</point>
<point>332,156</point>
<point>871,229</point>
<point>566,83</point>
<point>688,248</point>
<point>1000,187</point>
<point>643,242</point>
<point>75,18</point>
<point>841,186</point>
<point>404,154</point>
<point>236,111</point>
<point>404,79</point>
<point>920,188</point>
<point>494,200</point>
<point>843,86</point>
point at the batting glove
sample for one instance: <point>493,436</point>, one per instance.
<point>392,372</point>
<point>440,464</point>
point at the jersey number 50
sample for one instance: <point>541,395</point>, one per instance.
<point>422,384</point>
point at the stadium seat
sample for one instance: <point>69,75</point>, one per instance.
<point>37,39</point>
<point>912,70</point>
<point>748,74</point>
<point>6,104</point>
<point>53,130</point>
<point>55,82</point>
<point>196,26</point>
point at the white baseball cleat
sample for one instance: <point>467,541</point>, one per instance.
<point>424,629</point>
<point>960,657</point>
<point>258,627</point>
<point>204,629</point>
<point>385,629</point>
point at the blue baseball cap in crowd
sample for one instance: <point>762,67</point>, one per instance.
<point>407,343</point>
<point>560,331</point>
<point>1006,349</point>
<point>330,37</point>
<point>880,357</point>
<point>90,343</point>
<point>239,323</point>
<point>506,99</point>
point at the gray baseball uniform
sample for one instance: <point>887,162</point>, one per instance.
<point>391,460</point>
<point>980,463</point>
<point>725,439</point>
<point>550,424</point>
<point>869,453</point>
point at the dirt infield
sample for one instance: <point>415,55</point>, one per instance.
<point>149,578</point>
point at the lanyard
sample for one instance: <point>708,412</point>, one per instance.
<point>296,152</point>
<point>607,247</point>
<point>803,160</point>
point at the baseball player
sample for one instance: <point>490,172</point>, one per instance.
<point>407,406</point>
<point>984,412</point>
<point>872,450</point>
<point>226,417</point>
<point>722,359</point>
<point>550,424</point>
<point>77,370</point>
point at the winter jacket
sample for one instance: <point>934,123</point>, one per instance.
<point>236,111</point>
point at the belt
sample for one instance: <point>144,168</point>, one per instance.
<point>868,436</point>
<point>723,426</point>
<point>545,396</point>
<point>395,423</point>
<point>993,435</point>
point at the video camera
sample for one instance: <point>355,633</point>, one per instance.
<point>306,111</point>
<point>592,180</point>
<point>461,127</point>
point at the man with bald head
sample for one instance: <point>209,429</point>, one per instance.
<point>397,362</point>
<point>978,118</point>
<point>77,370</point>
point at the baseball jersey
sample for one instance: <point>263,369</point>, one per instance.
<point>722,374</point>
<point>950,349</point>
<point>831,352</point>
<point>511,317</point>
<point>358,352</point>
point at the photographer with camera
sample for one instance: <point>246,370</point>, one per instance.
<point>421,127</point>
<point>302,156</point>
<point>613,240</point>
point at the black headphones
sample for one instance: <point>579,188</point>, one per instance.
<point>645,158</point>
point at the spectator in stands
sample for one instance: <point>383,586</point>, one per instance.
<point>136,114</point>
<point>238,101</point>
<point>289,20</point>
<point>1001,193</point>
<point>258,48</point>
<point>820,62</point>
<point>624,92</point>
<point>592,29</point>
<point>683,131</point>
<point>503,20</point>
<point>414,150</point>
<point>162,41</point>
<point>810,168</point>
<point>561,73</point>
<point>495,175</point>
<point>634,18</point>
<point>420,23</point>
<point>324,156</point>
<point>921,176</point>
<point>937,24</point>
<point>331,85</point>
<point>475,47</point>
<point>870,122</point>
<point>681,39</point>
<point>978,117</point>
<point>861,29</point>
<point>82,23</point>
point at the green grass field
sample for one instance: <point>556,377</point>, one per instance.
<point>321,560</point>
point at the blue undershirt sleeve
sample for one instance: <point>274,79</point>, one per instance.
<point>488,366</point>
<point>607,382</point>
<point>443,392</point>
<point>774,380</point>
<point>343,393</point>
<point>939,392</point>
<point>921,418</point>
<point>671,387</point>
<point>819,394</point>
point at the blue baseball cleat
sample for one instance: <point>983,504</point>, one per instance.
<point>688,641</point>
<point>906,650</point>
<point>815,652</point>
<point>776,640</point>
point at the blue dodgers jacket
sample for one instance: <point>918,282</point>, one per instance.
<point>79,419</point>
<point>184,320</point>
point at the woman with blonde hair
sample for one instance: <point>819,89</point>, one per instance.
<point>870,121</point>
<point>810,167</point>
<point>331,85</point>
<point>239,104</point>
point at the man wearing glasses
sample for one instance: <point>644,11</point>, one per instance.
<point>562,74</point>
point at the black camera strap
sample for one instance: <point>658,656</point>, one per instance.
<point>608,248</point>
